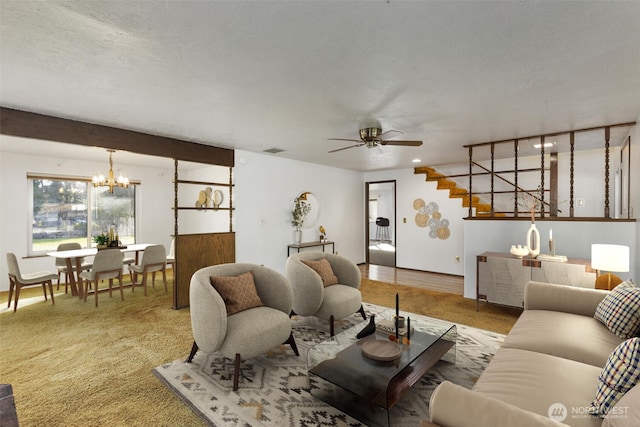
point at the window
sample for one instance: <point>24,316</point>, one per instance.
<point>68,210</point>
<point>373,210</point>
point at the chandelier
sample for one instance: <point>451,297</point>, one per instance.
<point>101,181</point>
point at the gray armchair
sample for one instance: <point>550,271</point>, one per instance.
<point>312,298</point>
<point>248,333</point>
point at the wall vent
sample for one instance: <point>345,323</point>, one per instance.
<point>274,150</point>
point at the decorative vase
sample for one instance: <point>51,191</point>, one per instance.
<point>519,251</point>
<point>298,236</point>
<point>533,240</point>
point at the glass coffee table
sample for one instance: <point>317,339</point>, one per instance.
<point>341,375</point>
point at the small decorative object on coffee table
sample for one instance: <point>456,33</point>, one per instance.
<point>369,329</point>
<point>383,351</point>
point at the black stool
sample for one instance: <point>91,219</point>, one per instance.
<point>382,231</point>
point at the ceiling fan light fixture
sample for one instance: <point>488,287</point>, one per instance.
<point>367,134</point>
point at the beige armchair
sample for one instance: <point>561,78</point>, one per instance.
<point>245,334</point>
<point>312,298</point>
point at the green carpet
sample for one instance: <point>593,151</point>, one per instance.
<point>72,364</point>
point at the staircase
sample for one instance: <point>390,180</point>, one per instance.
<point>456,192</point>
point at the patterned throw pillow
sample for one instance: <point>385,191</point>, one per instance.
<point>620,311</point>
<point>626,284</point>
<point>620,374</point>
<point>323,268</point>
<point>238,293</point>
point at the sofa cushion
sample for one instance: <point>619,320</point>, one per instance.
<point>323,268</point>
<point>620,311</point>
<point>238,293</point>
<point>626,413</point>
<point>618,376</point>
<point>575,337</point>
<point>539,383</point>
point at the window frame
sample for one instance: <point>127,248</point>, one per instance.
<point>91,189</point>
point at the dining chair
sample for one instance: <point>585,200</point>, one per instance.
<point>61,263</point>
<point>18,280</point>
<point>107,264</point>
<point>154,258</point>
<point>171,257</point>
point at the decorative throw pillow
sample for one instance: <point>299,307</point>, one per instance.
<point>620,373</point>
<point>626,284</point>
<point>238,293</point>
<point>323,268</point>
<point>620,311</point>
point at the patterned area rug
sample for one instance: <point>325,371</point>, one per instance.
<point>274,388</point>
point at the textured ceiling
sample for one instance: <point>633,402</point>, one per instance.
<point>285,74</point>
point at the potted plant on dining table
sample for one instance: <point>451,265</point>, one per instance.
<point>101,240</point>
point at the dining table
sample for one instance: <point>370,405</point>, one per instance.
<point>73,259</point>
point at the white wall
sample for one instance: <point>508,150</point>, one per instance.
<point>634,198</point>
<point>414,248</point>
<point>265,188</point>
<point>153,203</point>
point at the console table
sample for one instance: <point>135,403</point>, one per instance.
<point>299,246</point>
<point>501,277</point>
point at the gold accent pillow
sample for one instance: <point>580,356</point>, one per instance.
<point>238,293</point>
<point>323,268</point>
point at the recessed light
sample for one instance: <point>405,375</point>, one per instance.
<point>416,160</point>
<point>546,145</point>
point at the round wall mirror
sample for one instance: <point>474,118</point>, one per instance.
<point>312,205</point>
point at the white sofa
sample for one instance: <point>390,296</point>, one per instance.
<point>549,362</point>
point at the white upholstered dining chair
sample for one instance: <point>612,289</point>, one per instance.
<point>107,265</point>
<point>61,263</point>
<point>154,258</point>
<point>17,280</point>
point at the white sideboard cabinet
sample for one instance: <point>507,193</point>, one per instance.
<point>501,277</point>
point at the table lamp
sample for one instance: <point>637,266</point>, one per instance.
<point>609,258</point>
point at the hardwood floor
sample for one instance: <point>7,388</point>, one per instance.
<point>420,279</point>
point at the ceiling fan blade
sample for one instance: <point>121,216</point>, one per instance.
<point>343,139</point>
<point>389,134</point>
<point>345,148</point>
<point>405,143</point>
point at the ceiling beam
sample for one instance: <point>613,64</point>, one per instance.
<point>49,128</point>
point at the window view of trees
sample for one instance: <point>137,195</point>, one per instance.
<point>115,211</point>
<point>74,211</point>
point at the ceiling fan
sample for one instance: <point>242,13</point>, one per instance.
<point>373,137</point>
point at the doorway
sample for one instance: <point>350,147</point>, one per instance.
<point>380,216</point>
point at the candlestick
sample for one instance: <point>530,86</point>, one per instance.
<point>550,234</point>
<point>397,313</point>
<point>408,328</point>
